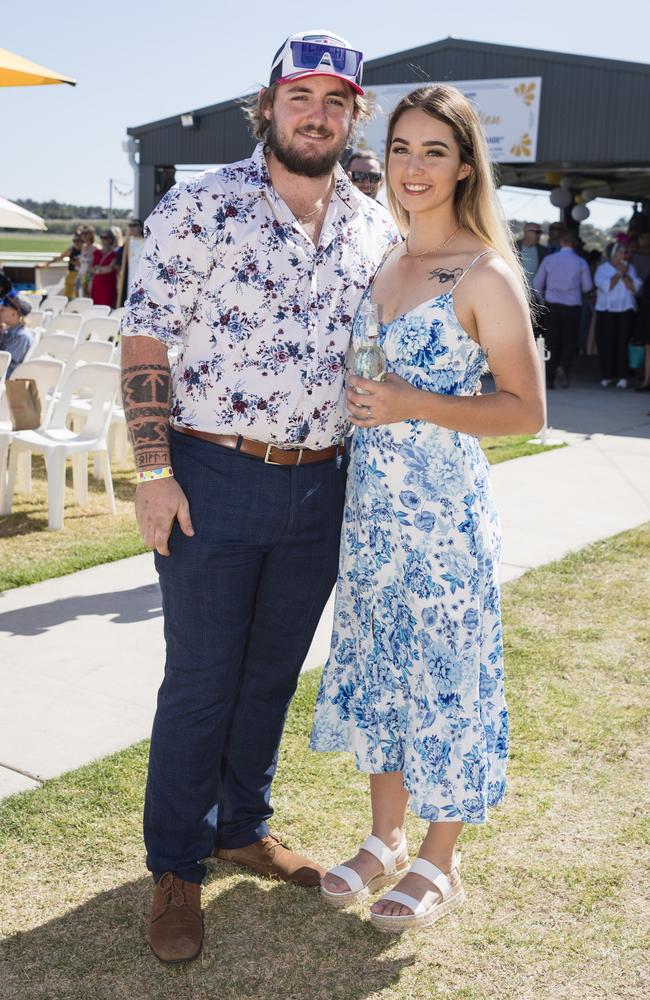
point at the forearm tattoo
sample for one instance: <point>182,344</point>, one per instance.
<point>445,275</point>
<point>146,393</point>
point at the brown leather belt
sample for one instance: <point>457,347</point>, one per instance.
<point>270,453</point>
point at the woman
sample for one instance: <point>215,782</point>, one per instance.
<point>15,337</point>
<point>73,253</point>
<point>414,683</point>
<point>104,271</point>
<point>617,285</point>
<point>88,248</point>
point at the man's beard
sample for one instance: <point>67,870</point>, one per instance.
<point>305,164</point>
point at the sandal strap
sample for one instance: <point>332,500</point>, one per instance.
<point>348,875</point>
<point>395,896</point>
<point>383,853</point>
<point>432,874</point>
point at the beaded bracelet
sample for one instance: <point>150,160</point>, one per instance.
<point>162,472</point>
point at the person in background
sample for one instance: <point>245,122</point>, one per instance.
<point>530,250</point>
<point>15,337</point>
<point>73,254</point>
<point>88,247</point>
<point>555,231</point>
<point>642,332</point>
<point>135,228</point>
<point>104,271</point>
<point>617,285</point>
<point>365,171</point>
<point>563,278</point>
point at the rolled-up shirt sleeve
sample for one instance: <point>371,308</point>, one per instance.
<point>176,259</point>
<point>539,281</point>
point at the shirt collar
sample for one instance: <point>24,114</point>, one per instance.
<point>258,178</point>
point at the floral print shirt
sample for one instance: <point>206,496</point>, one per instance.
<point>261,316</point>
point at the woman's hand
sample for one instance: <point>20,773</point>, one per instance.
<point>387,402</point>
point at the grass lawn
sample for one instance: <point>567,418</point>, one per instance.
<point>557,908</point>
<point>38,242</point>
<point>90,536</point>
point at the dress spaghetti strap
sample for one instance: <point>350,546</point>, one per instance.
<point>470,266</point>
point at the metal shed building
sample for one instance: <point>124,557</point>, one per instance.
<point>594,119</point>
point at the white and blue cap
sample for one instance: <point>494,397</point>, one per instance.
<point>317,53</point>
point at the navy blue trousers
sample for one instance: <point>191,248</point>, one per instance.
<point>241,602</point>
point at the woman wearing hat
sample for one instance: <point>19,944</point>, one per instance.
<point>14,335</point>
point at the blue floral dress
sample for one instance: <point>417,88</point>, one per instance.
<point>414,680</point>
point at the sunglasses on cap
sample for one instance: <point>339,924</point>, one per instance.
<point>309,54</point>
<point>365,175</point>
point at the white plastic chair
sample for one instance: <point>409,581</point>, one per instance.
<point>56,345</point>
<point>80,305</point>
<point>57,443</point>
<point>89,351</point>
<point>47,373</point>
<point>118,313</point>
<point>69,323</point>
<point>100,328</point>
<point>36,319</point>
<point>5,361</point>
<point>98,311</point>
<point>55,303</point>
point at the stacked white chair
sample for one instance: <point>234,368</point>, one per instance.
<point>97,311</point>
<point>55,345</point>
<point>36,319</point>
<point>47,373</point>
<point>54,303</point>
<point>80,305</point>
<point>100,328</point>
<point>69,323</point>
<point>118,313</point>
<point>57,442</point>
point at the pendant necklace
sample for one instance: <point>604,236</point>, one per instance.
<point>303,218</point>
<point>424,253</point>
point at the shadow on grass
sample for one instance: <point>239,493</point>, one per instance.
<point>261,940</point>
<point>125,607</point>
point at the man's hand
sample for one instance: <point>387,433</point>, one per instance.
<point>156,505</point>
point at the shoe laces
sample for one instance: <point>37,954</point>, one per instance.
<point>172,889</point>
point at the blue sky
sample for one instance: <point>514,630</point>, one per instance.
<point>141,60</point>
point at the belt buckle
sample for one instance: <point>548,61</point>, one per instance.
<point>269,461</point>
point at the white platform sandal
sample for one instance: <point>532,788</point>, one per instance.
<point>395,864</point>
<point>451,896</point>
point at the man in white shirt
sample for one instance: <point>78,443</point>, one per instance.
<point>254,271</point>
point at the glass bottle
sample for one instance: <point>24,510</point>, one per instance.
<point>369,359</point>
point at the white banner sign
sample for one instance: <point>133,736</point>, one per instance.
<point>508,109</point>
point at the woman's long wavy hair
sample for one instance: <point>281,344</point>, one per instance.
<point>475,199</point>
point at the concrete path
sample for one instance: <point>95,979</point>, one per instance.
<point>81,657</point>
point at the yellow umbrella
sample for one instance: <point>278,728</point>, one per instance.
<point>18,72</point>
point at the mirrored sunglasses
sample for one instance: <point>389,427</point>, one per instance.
<point>365,175</point>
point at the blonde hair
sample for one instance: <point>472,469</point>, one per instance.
<point>475,199</point>
<point>255,106</point>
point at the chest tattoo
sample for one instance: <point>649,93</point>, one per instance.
<point>445,275</point>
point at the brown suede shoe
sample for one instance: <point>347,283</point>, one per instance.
<point>176,924</point>
<point>270,857</point>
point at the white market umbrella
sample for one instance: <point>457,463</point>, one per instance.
<point>14,217</point>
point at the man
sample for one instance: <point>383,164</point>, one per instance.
<point>563,278</point>
<point>531,251</point>
<point>555,231</point>
<point>256,270</point>
<point>365,172</point>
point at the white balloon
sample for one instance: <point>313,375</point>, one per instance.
<point>561,197</point>
<point>580,213</point>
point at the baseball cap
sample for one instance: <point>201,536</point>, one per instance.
<point>15,302</point>
<point>317,53</point>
